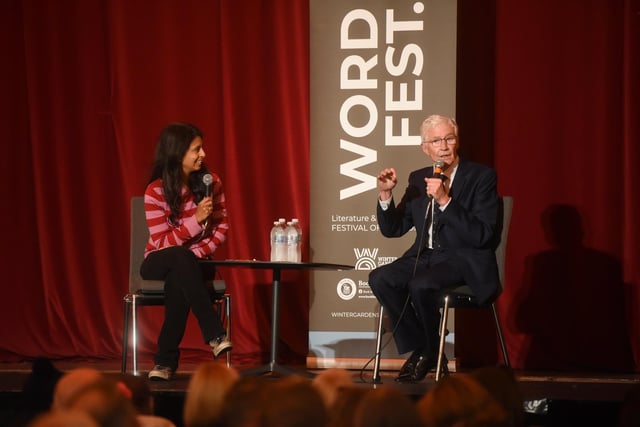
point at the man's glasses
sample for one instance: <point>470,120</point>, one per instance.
<point>450,140</point>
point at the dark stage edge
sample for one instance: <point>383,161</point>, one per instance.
<point>560,398</point>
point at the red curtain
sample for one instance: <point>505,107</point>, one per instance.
<point>562,103</point>
<point>89,87</point>
<point>566,147</point>
<point>552,103</point>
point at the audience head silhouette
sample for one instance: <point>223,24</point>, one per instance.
<point>294,402</point>
<point>71,382</point>
<point>386,407</point>
<point>64,418</point>
<point>206,394</point>
<point>106,403</point>
<point>460,400</point>
<point>329,382</point>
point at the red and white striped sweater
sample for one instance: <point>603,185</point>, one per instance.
<point>188,232</point>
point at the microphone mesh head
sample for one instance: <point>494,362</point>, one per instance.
<point>438,167</point>
<point>207,179</point>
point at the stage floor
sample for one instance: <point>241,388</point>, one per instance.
<point>558,397</point>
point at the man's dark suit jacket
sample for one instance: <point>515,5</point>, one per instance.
<point>466,229</point>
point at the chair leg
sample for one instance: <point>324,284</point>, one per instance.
<point>227,313</point>
<point>125,333</point>
<point>223,307</point>
<point>500,336</point>
<point>134,333</point>
<point>376,362</point>
<point>443,333</point>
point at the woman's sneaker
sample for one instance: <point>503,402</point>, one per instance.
<point>160,373</point>
<point>220,345</point>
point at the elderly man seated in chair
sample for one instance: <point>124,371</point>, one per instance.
<point>453,206</point>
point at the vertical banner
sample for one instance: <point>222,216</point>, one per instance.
<point>378,68</point>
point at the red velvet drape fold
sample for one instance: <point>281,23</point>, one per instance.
<point>565,148</point>
<point>92,84</point>
<point>89,84</point>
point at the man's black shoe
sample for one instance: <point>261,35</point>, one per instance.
<point>423,366</point>
<point>409,367</point>
<point>428,364</point>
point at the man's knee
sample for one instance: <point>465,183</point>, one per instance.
<point>376,278</point>
<point>422,288</point>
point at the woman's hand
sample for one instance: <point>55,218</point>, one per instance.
<point>205,208</point>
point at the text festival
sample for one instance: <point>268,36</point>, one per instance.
<point>403,66</point>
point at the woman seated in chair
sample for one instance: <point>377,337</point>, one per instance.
<point>187,218</point>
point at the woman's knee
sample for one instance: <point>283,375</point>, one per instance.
<point>181,263</point>
<point>180,255</point>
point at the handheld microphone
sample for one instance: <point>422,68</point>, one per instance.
<point>207,179</point>
<point>438,170</point>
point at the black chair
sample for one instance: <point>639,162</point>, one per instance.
<point>462,297</point>
<point>151,292</point>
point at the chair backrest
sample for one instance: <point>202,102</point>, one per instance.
<point>463,294</point>
<point>138,240</point>
<point>504,220</point>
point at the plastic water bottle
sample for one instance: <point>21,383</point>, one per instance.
<point>281,241</point>
<point>272,239</point>
<point>296,225</point>
<point>278,243</point>
<point>292,242</point>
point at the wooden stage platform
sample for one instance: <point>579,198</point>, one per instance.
<point>551,398</point>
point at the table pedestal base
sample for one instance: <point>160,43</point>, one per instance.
<point>276,370</point>
<point>273,368</point>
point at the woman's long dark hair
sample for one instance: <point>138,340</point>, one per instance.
<point>173,143</point>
